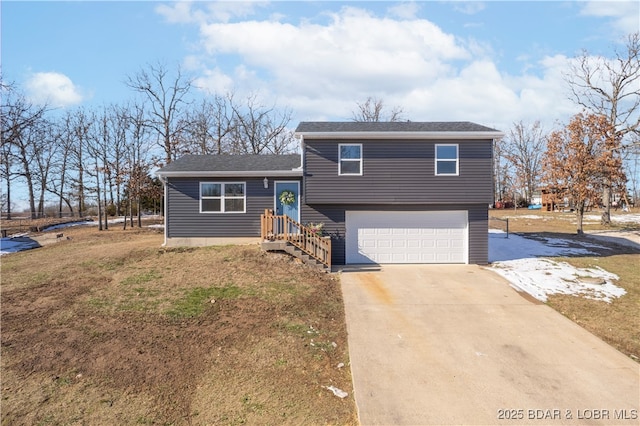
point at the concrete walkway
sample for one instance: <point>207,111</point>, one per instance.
<point>455,344</point>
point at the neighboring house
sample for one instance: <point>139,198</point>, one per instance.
<point>395,192</point>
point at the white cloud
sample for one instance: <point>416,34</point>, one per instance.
<point>178,13</point>
<point>625,15</point>
<point>218,11</point>
<point>214,82</point>
<point>469,7</point>
<point>321,68</point>
<point>404,10</point>
<point>52,88</point>
<point>344,55</point>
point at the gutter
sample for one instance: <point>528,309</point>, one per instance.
<point>400,135</point>
<point>217,173</point>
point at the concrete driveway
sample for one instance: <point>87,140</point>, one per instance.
<point>455,344</point>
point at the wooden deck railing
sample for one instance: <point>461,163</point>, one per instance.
<point>282,227</point>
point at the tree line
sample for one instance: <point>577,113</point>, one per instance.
<point>102,159</point>
<point>593,157</point>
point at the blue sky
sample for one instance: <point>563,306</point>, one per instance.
<point>491,62</point>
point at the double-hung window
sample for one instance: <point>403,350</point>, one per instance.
<point>350,159</point>
<point>222,197</point>
<point>446,159</point>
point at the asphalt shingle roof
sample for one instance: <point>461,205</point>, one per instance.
<point>395,126</point>
<point>232,163</point>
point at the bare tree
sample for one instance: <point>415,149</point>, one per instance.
<point>611,88</point>
<point>19,119</point>
<point>80,125</point>
<point>258,129</point>
<point>209,126</point>
<point>372,109</point>
<point>165,94</point>
<point>501,172</point>
<point>44,158</point>
<point>632,159</point>
<point>138,164</point>
<point>6,174</point>
<point>57,185</point>
<point>524,149</point>
<point>579,159</point>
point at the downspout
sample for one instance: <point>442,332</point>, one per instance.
<point>303,186</point>
<point>165,181</point>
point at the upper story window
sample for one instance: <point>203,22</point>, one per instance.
<point>222,197</point>
<point>447,160</point>
<point>350,159</point>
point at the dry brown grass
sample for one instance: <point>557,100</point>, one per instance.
<point>617,323</point>
<point>110,328</point>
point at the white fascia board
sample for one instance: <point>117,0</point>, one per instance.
<point>234,173</point>
<point>400,135</point>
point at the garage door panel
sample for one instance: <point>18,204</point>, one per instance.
<point>406,237</point>
<point>428,244</point>
<point>413,244</point>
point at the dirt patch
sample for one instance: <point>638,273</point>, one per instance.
<point>109,328</point>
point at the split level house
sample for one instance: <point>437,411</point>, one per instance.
<point>385,192</point>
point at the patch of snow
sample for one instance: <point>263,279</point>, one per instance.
<point>527,216</point>
<point>542,277</point>
<point>518,247</point>
<point>626,218</point>
<point>522,261</point>
<point>70,224</point>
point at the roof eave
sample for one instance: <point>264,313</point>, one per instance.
<point>230,173</point>
<point>401,135</point>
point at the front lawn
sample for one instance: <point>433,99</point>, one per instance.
<point>111,328</point>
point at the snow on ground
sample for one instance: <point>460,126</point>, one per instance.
<point>522,261</point>
<point>615,217</point>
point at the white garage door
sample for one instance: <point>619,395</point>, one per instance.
<point>406,237</point>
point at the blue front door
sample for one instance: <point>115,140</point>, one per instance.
<point>293,209</point>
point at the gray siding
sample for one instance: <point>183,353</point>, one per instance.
<point>333,216</point>
<point>185,220</point>
<point>398,172</point>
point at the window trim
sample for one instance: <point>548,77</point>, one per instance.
<point>222,197</point>
<point>456,160</point>
<point>359,160</point>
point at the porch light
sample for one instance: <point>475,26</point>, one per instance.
<point>266,183</point>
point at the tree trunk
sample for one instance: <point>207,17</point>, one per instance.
<point>99,203</point>
<point>32,199</point>
<point>606,205</point>
<point>106,210</point>
<point>8,198</point>
<point>124,222</point>
<point>579,218</point>
<point>80,190</point>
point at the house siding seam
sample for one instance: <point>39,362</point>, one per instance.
<point>333,216</point>
<point>185,220</point>
<point>398,172</point>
